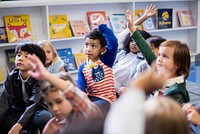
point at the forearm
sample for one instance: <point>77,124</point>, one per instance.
<point>140,20</point>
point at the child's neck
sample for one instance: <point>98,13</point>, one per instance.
<point>24,75</point>
<point>90,62</point>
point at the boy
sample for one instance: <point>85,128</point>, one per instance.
<point>95,76</point>
<point>20,102</point>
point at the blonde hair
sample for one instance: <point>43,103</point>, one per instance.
<point>55,54</point>
<point>165,116</point>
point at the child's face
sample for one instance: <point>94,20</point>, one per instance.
<point>49,54</point>
<point>21,61</point>
<point>165,61</point>
<point>93,49</point>
<point>133,47</point>
<point>58,104</point>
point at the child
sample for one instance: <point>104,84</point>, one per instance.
<point>193,116</point>
<point>127,60</point>
<point>129,57</point>
<point>53,62</point>
<point>154,42</point>
<point>95,76</point>
<point>62,97</point>
<point>173,58</point>
<point>20,102</point>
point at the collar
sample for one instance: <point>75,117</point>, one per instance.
<point>92,65</point>
<point>170,82</point>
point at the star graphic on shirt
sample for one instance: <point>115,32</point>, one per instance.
<point>3,37</point>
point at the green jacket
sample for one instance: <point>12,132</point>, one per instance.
<point>177,91</point>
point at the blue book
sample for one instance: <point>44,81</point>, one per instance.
<point>164,18</point>
<point>68,58</point>
<point>3,35</point>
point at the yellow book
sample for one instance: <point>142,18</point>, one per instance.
<point>79,59</point>
<point>137,16</point>
<point>59,26</point>
<point>18,27</point>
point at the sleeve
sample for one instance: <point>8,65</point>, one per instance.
<point>177,97</point>
<point>34,103</point>
<point>144,47</point>
<point>81,82</point>
<point>80,102</point>
<point>6,98</point>
<point>109,56</point>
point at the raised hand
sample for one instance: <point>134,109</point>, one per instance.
<point>129,18</point>
<point>38,70</point>
<point>150,11</point>
<point>98,20</point>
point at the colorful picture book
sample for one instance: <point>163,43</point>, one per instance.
<point>150,23</point>
<point>59,26</point>
<point>68,58</point>
<point>3,35</point>
<point>79,27</point>
<point>164,18</point>
<point>10,59</point>
<point>18,27</point>
<point>137,16</point>
<point>185,18</point>
<point>92,15</point>
<point>117,22</point>
<point>80,58</point>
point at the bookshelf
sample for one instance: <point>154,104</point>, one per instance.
<point>76,9</point>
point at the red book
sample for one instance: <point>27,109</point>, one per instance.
<point>95,14</point>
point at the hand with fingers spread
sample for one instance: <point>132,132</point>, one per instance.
<point>38,70</point>
<point>150,11</point>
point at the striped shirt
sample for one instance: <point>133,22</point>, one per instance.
<point>100,81</point>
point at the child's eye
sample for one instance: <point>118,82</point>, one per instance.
<point>93,46</point>
<point>86,44</point>
<point>18,55</point>
<point>58,101</point>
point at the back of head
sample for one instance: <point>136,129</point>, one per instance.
<point>144,34</point>
<point>165,116</point>
<point>45,42</point>
<point>96,35</point>
<point>155,40</point>
<point>181,56</point>
<point>32,48</point>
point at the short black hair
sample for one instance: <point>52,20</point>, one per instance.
<point>155,40</point>
<point>31,48</point>
<point>128,39</point>
<point>96,35</point>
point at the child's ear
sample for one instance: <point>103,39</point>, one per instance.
<point>103,49</point>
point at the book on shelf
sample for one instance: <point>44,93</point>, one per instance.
<point>150,23</point>
<point>59,26</point>
<point>68,58</point>
<point>10,59</point>
<point>185,18</point>
<point>79,59</point>
<point>164,18</point>
<point>117,22</point>
<point>1,75</point>
<point>18,28</point>
<point>92,15</point>
<point>137,16</point>
<point>79,27</point>
<point>3,35</point>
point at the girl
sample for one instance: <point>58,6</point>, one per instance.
<point>173,59</point>
<point>129,57</point>
<point>53,62</point>
<point>64,100</point>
